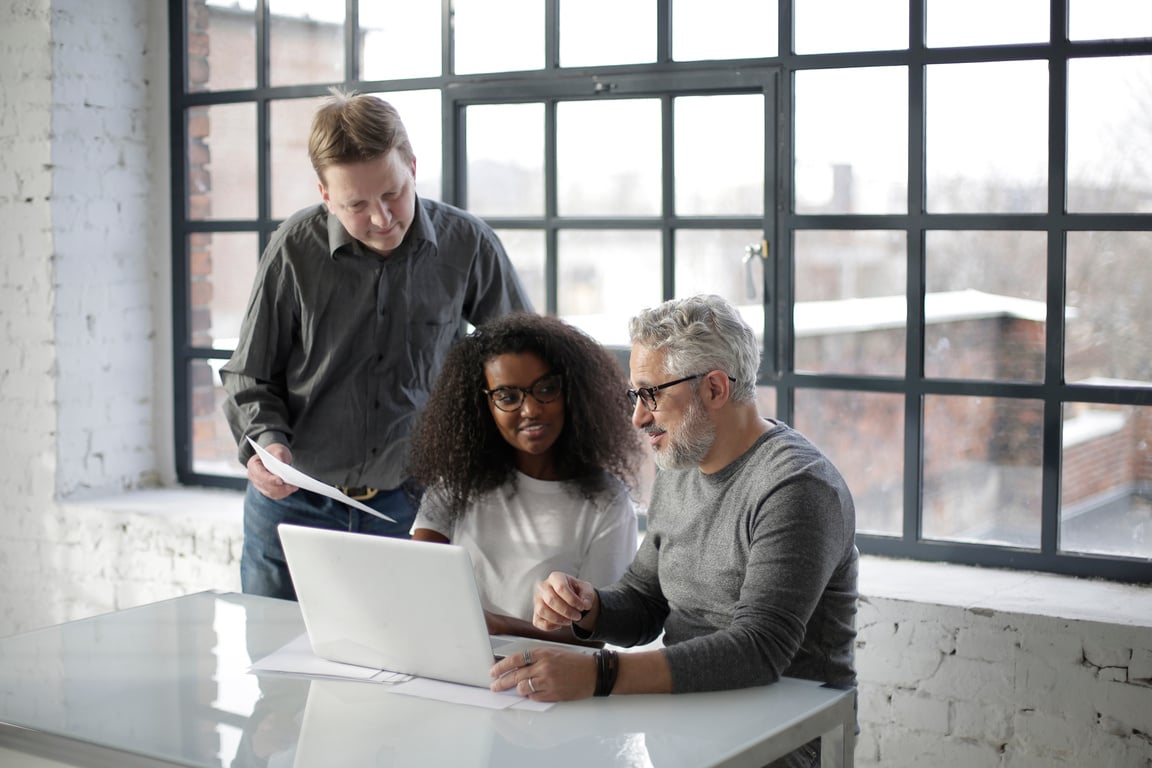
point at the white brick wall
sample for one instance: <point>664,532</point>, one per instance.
<point>85,413</point>
<point>101,210</point>
<point>956,685</point>
<point>27,356</point>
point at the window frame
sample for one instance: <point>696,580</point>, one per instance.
<point>780,223</point>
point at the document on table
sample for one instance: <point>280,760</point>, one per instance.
<point>297,658</point>
<point>293,476</point>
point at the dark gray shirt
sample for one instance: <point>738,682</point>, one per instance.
<point>750,572</point>
<point>340,346</point>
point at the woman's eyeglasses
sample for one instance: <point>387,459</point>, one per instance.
<point>509,399</point>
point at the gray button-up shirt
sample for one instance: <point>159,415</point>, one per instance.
<point>340,346</point>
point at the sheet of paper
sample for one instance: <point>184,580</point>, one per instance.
<point>466,694</point>
<point>297,658</point>
<point>293,476</point>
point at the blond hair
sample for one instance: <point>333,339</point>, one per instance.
<point>351,127</point>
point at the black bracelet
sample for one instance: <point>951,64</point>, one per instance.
<point>607,667</point>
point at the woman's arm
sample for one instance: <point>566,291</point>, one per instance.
<point>427,534</point>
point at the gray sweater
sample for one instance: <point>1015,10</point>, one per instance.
<point>749,572</point>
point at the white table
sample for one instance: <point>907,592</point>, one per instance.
<point>167,684</point>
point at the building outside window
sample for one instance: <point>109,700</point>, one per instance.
<point>937,213</point>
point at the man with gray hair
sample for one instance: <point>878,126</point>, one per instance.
<point>749,563</point>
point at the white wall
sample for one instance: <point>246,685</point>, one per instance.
<point>85,383</point>
<point>976,667</point>
<point>85,422</point>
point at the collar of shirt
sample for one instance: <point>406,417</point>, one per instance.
<point>341,243</point>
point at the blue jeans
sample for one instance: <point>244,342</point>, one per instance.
<point>262,567</point>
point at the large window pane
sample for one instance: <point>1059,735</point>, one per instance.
<point>719,177</point>
<point>420,111</point>
<point>984,307</point>
<point>294,182</point>
<point>1109,19</point>
<point>719,262</point>
<point>606,277</point>
<point>829,26</point>
<point>526,249</point>
<point>599,32</point>
<point>222,268</point>
<point>398,39</point>
<point>982,470</point>
<point>735,29</point>
<point>222,162</point>
<point>1110,134</point>
<point>1107,308</point>
<point>221,25</point>
<point>305,42</point>
<point>608,157</point>
<point>1106,480</point>
<point>850,314</point>
<point>506,159</point>
<point>986,22</point>
<point>497,35</point>
<point>863,435</point>
<point>213,447</point>
<point>862,170</point>
<point>987,137</point>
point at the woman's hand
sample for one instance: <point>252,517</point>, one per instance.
<point>547,674</point>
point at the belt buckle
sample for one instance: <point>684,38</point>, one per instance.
<point>359,493</point>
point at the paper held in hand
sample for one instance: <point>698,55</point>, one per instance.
<point>293,476</point>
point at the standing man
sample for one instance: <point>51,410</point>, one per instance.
<point>356,302</point>
<point>749,562</point>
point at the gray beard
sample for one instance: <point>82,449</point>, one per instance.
<point>690,443</point>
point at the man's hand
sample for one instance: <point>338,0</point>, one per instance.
<point>561,600</point>
<point>267,483</point>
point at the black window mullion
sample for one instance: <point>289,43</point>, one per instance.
<point>1052,447</point>
<point>668,194</point>
<point>916,279</point>
<point>352,39</point>
<point>551,233</point>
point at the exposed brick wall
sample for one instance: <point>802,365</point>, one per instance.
<point>79,279</point>
<point>951,686</point>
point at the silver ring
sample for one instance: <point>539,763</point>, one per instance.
<point>531,687</point>
<point>527,656</point>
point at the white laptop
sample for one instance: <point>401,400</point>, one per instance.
<point>395,604</point>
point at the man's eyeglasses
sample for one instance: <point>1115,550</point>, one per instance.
<point>509,399</point>
<point>647,395</point>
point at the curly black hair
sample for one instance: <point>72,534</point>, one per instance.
<point>456,442</point>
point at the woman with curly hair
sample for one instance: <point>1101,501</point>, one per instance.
<point>527,448</point>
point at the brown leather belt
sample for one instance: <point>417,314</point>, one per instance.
<point>358,492</point>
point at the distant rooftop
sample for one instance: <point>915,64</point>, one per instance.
<point>821,318</point>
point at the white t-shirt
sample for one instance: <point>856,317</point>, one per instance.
<point>517,535</point>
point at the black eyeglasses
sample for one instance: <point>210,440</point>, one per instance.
<point>509,399</point>
<point>647,395</point>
